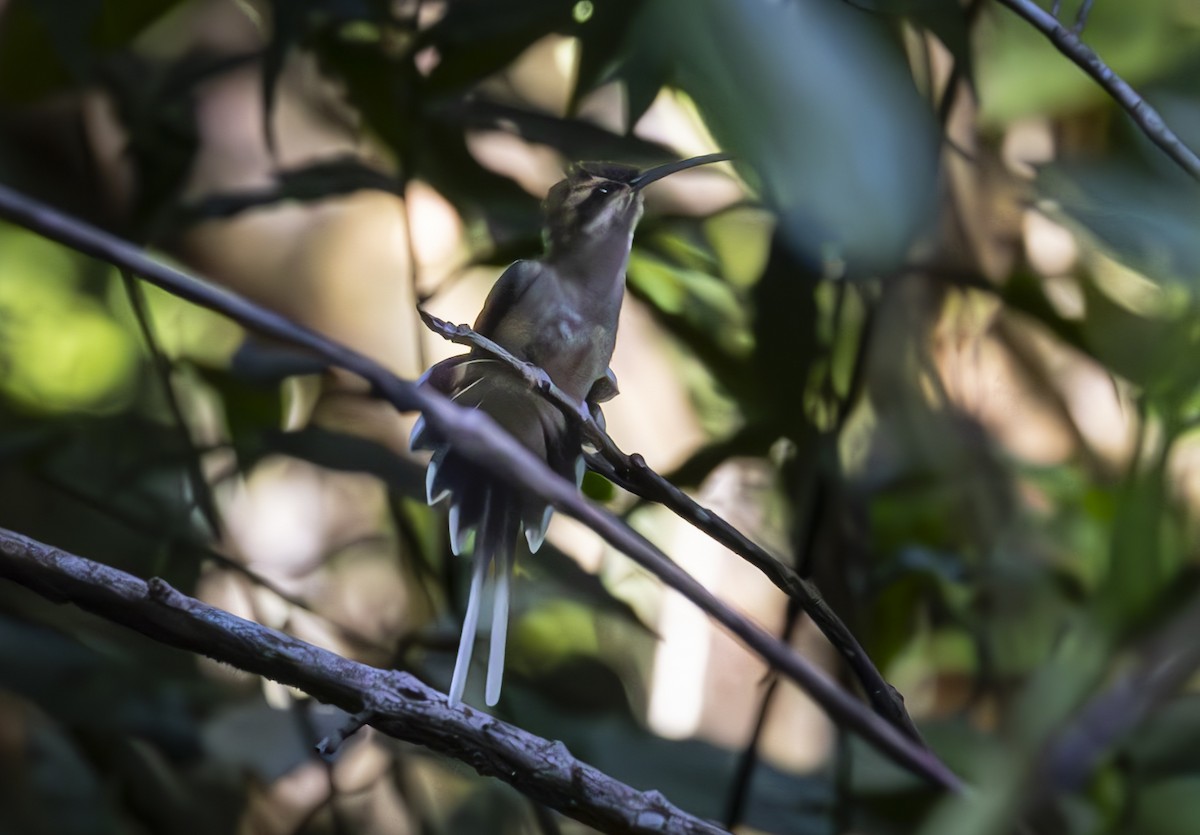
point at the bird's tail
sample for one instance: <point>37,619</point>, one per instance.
<point>489,507</point>
<point>494,544</point>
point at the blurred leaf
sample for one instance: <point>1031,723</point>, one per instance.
<point>1167,807</point>
<point>1169,742</point>
<point>269,742</point>
<point>263,363</point>
<point>70,790</point>
<point>946,19</point>
<point>787,338</point>
<point>753,440</point>
<point>1147,550</point>
<point>1025,292</point>
<point>380,86</point>
<point>558,577</point>
<point>601,40</point>
<point>479,37</point>
<point>510,213</point>
<point>251,408</point>
<point>345,453</point>
<point>328,178</point>
<point>1021,73</point>
<point>642,72</point>
<point>154,101</point>
<point>692,774</point>
<point>1147,222</point>
<point>705,304</point>
<point>47,44</point>
<point>294,21</point>
<point>1152,352</point>
<point>818,101</point>
<point>705,314</point>
<point>595,486</point>
<point>575,139</point>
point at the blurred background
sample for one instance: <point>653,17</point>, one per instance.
<point>931,339</point>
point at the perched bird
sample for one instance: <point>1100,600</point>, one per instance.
<point>558,312</point>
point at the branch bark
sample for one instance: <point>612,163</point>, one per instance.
<point>480,439</point>
<point>1146,117</point>
<point>396,703</point>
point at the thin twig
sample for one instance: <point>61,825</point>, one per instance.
<point>633,473</point>
<point>1145,116</point>
<point>1081,17</point>
<point>481,440</point>
<point>747,764</point>
<point>202,495</point>
<point>400,705</point>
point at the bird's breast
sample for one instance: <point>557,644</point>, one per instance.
<point>568,345</point>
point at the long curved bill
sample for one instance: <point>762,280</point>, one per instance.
<point>659,171</point>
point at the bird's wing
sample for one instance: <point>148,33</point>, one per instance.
<point>506,292</point>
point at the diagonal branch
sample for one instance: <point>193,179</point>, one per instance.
<point>398,703</point>
<point>1145,116</point>
<point>480,439</point>
<point>634,474</point>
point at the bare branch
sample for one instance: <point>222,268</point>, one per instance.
<point>478,438</point>
<point>634,474</point>
<point>1145,116</point>
<point>1081,17</point>
<point>398,704</point>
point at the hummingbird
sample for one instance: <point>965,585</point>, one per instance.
<point>558,312</point>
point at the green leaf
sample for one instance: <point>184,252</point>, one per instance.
<point>817,100</point>
<point>1021,73</point>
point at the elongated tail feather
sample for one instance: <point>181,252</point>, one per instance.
<point>503,568</point>
<point>466,642</point>
<point>492,508</point>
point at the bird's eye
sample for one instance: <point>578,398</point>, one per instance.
<point>602,189</point>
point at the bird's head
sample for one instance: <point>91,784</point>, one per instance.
<point>601,201</point>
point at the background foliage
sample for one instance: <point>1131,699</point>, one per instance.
<point>942,332</point>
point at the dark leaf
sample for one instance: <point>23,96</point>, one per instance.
<point>251,409</point>
<point>818,102</point>
<point>261,363</point>
<point>379,85</point>
<point>602,37</point>
<point>348,453</point>
<point>693,774</point>
<point>331,178</point>
<point>46,45</point>
<point>946,19</point>
<point>477,38</point>
<point>575,139</point>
